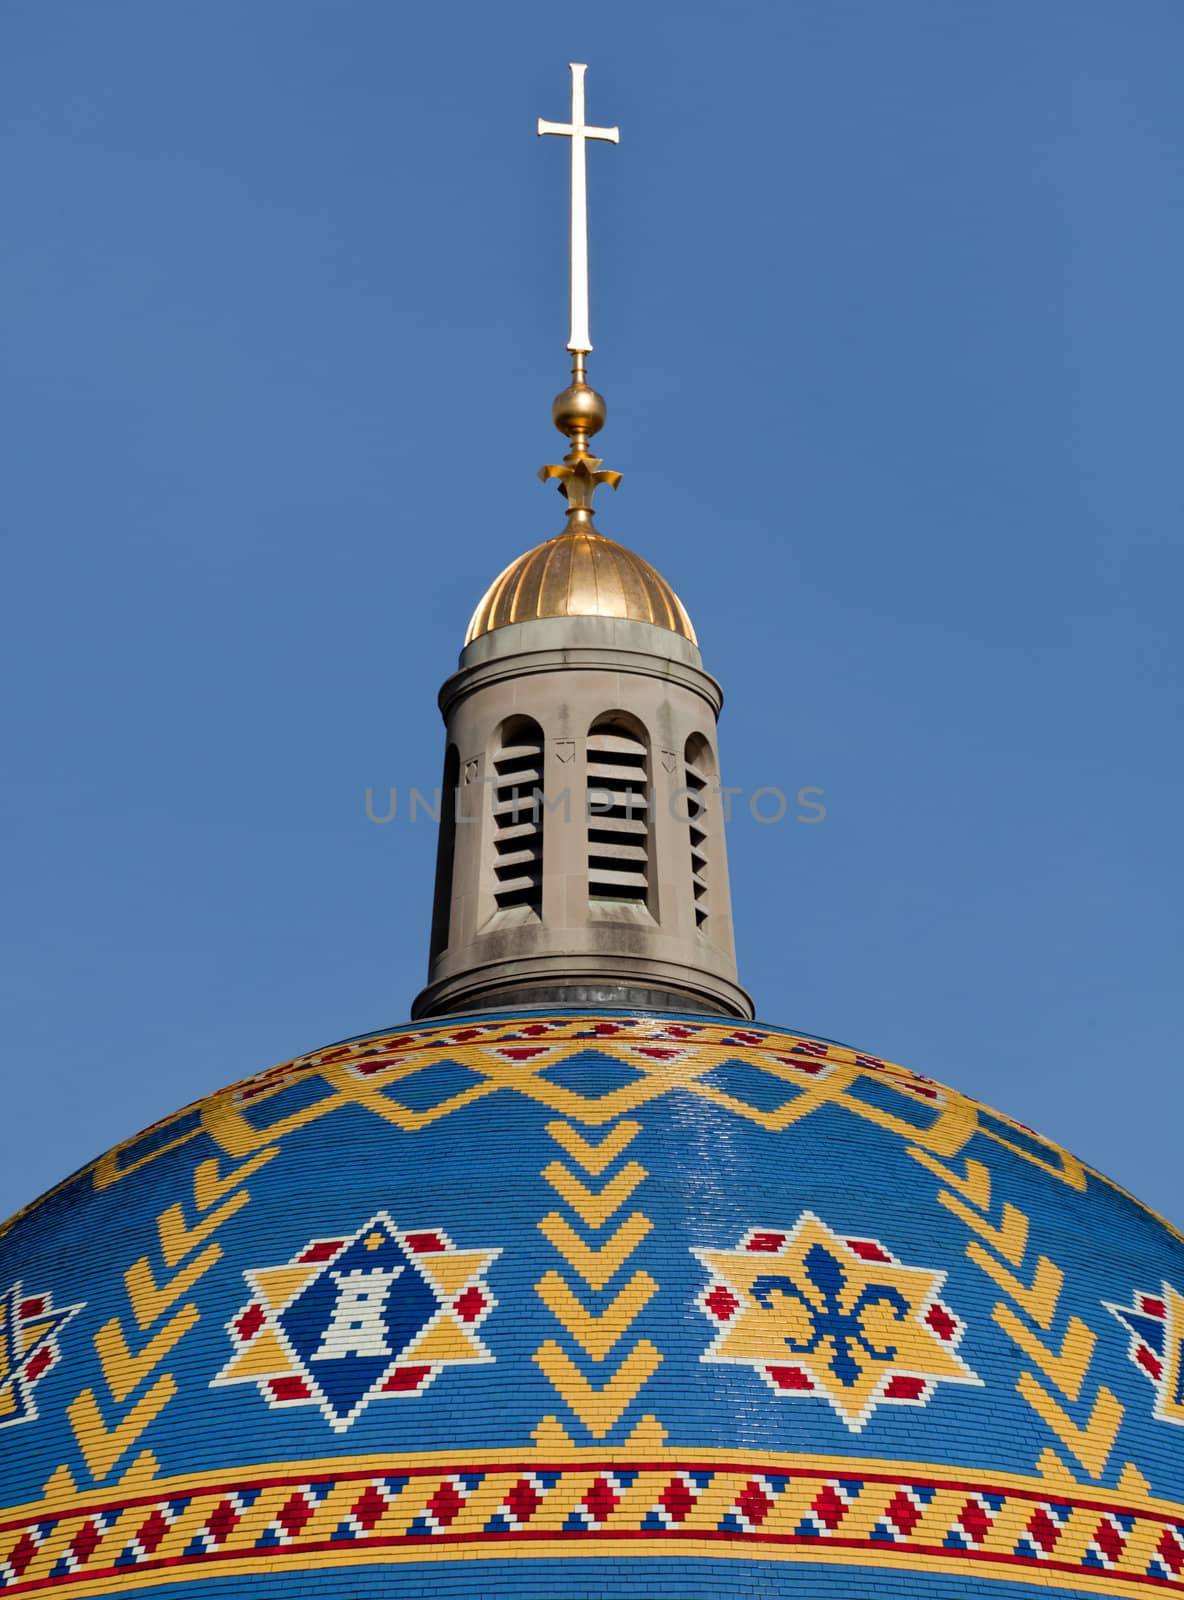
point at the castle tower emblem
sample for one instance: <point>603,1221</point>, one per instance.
<point>346,1321</point>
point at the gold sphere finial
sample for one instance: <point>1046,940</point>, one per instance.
<point>578,410</point>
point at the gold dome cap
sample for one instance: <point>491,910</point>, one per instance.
<point>580,573</point>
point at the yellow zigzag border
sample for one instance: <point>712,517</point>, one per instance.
<point>1090,1442</point>
<point>669,1056</point>
<point>104,1443</point>
<point>598,1407</point>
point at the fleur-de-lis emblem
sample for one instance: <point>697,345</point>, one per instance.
<point>844,1319</point>
<point>831,1321</point>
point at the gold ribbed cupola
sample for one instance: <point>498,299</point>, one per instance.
<point>580,573</point>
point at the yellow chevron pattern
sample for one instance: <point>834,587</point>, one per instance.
<point>124,1368</point>
<point>596,1267</point>
<point>104,1439</point>
<point>1068,1365</point>
<point>594,1158</point>
<point>594,1209</point>
<point>1000,1247</point>
<point>599,1409</point>
<point>102,1446</point>
<point>596,1333</point>
<point>598,1406</point>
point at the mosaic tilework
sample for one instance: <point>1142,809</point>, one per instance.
<point>843,1319</point>
<point>378,1315</point>
<point>673,1577</point>
<point>1156,1326</point>
<point>533,1058</point>
<point>30,1347</point>
<point>590,1304</point>
<point>275,1522</point>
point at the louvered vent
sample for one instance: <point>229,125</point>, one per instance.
<point>518,818</point>
<point>697,763</point>
<point>618,815</point>
<point>445,854</point>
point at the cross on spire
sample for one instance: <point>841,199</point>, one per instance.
<point>579,133</point>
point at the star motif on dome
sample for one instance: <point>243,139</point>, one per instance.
<point>29,1329</point>
<point>1155,1323</point>
<point>377,1315</point>
<point>842,1319</point>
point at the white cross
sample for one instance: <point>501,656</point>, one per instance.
<point>579,134</point>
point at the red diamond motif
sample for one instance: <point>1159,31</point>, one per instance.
<point>790,1378</point>
<point>425,1243</point>
<point>721,1302</point>
<point>446,1502</point>
<point>1152,1306</point>
<point>252,1319</point>
<point>373,1064</point>
<point>829,1507</point>
<point>810,1068</point>
<point>754,1503</point>
<point>43,1359</point>
<point>1043,1529</point>
<point>769,1243</point>
<point>940,1320</point>
<point>22,1553</point>
<point>523,1500</point>
<point>868,1250</point>
<point>904,1388</point>
<point>33,1307</point>
<point>470,1305</point>
<point>153,1531</point>
<point>903,1511</point>
<point>404,1379</point>
<point>321,1250</point>
<point>1109,1540</point>
<point>370,1506</point>
<point>289,1389</point>
<point>975,1521</point>
<point>600,1499</point>
<point>294,1514</point>
<point>1172,1551</point>
<point>676,1499</point>
<point>1150,1362</point>
<point>222,1523</point>
<point>85,1542</point>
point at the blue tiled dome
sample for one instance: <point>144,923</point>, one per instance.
<point>590,1304</point>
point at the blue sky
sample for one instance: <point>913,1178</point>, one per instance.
<point>887,311</point>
